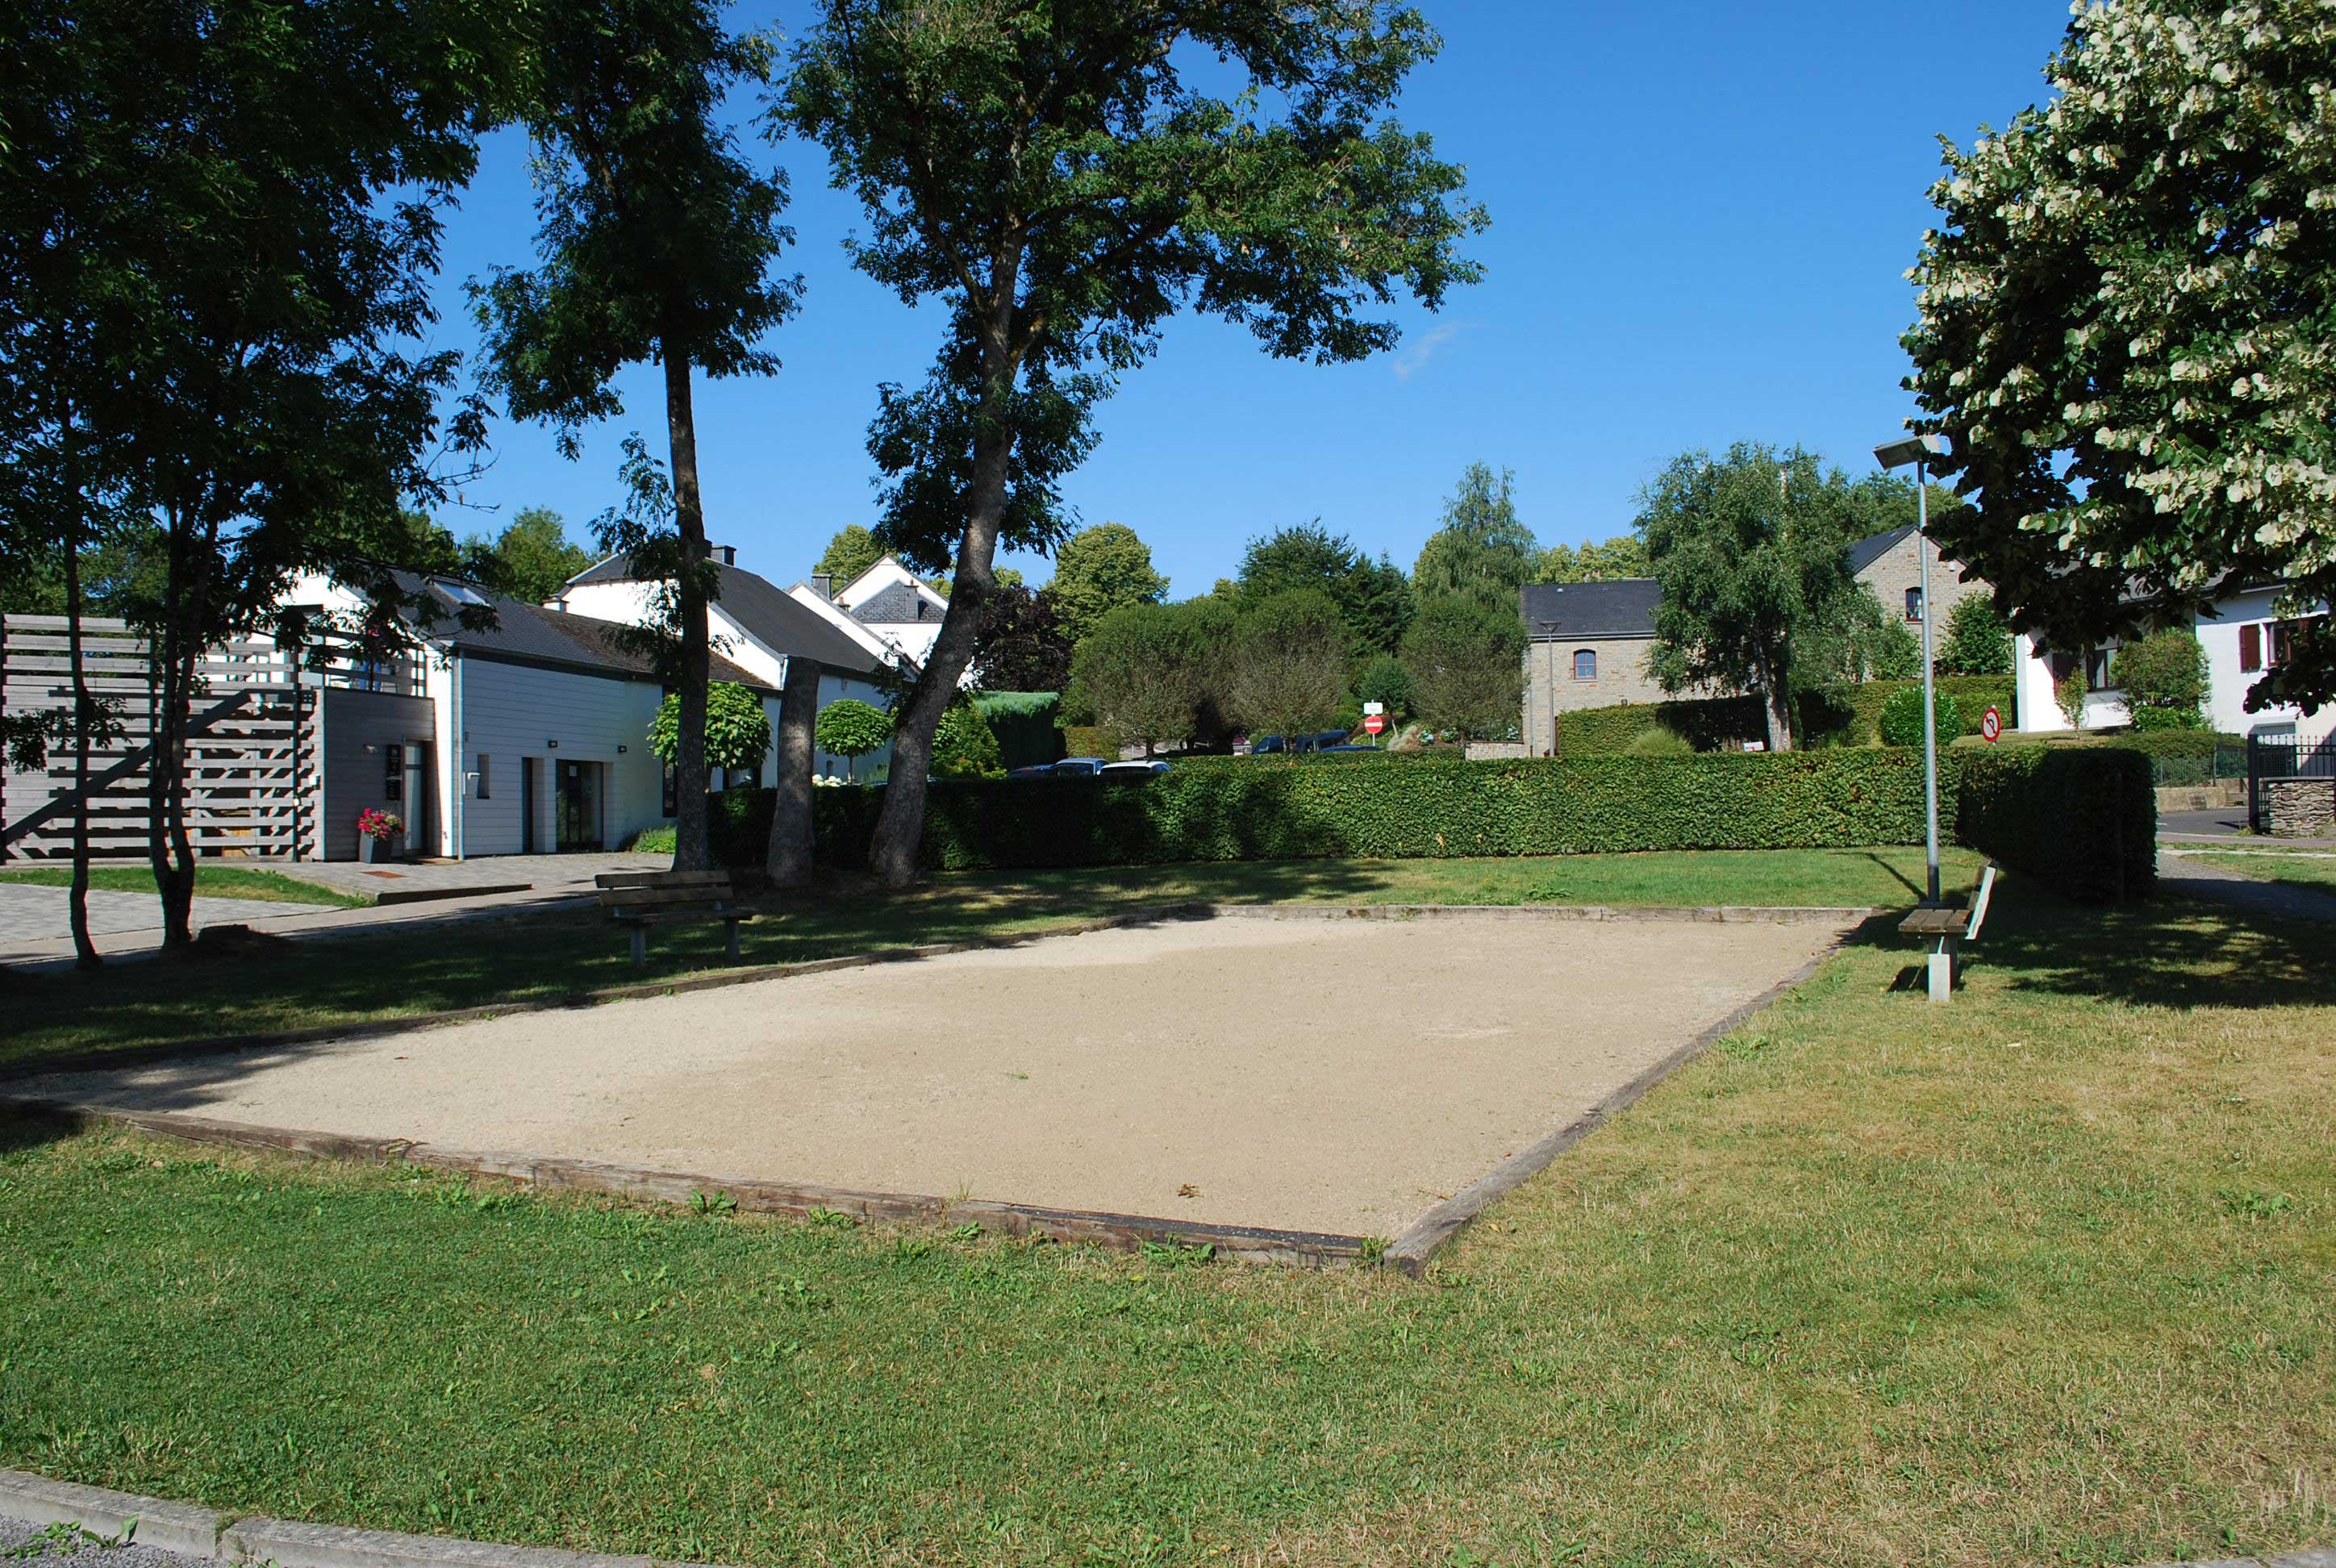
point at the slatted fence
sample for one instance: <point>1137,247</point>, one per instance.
<point>253,751</point>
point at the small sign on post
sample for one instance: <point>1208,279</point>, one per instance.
<point>1991,726</point>
<point>1374,722</point>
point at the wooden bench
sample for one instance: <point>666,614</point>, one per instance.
<point>644,899</point>
<point>1948,929</point>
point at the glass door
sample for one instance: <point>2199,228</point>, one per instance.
<point>578,806</point>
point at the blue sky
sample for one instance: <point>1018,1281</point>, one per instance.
<point>1702,217</point>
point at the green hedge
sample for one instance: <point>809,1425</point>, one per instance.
<point>1854,718</point>
<point>1707,724</point>
<point>2082,818</point>
<point>1025,724</point>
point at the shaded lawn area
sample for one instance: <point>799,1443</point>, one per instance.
<point>211,881</point>
<point>476,963</point>
<point>2302,871</point>
<point>2044,1276</point>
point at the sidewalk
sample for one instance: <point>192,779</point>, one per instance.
<point>557,882</point>
<point>2179,873</point>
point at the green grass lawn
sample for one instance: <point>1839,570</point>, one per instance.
<point>392,971</point>
<point>211,881</point>
<point>2048,1276</point>
<point>2302,871</point>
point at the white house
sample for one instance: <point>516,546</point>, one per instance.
<point>2243,636</point>
<point>756,626</point>
<point>530,736</point>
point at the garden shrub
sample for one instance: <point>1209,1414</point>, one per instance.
<point>1657,741</point>
<point>964,745</point>
<point>1900,721</point>
<point>2082,818</point>
<point>1852,715</point>
<point>1024,724</point>
<point>1705,724</point>
<point>1089,740</point>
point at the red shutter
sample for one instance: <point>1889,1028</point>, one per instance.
<point>2251,646</point>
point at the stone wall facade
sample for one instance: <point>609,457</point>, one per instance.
<point>1899,571</point>
<point>1552,688</point>
<point>2299,808</point>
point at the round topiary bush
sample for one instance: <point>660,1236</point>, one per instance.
<point>850,728</point>
<point>1902,718</point>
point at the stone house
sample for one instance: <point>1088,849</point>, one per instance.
<point>1891,564</point>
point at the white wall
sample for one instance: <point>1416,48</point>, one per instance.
<point>2227,682</point>
<point>514,711</point>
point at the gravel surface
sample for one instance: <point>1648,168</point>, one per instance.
<point>39,1543</point>
<point>1310,1075</point>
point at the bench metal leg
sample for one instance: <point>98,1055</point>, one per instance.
<point>733,940</point>
<point>640,947</point>
<point>1942,968</point>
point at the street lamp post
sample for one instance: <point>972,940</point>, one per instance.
<point>1919,450</point>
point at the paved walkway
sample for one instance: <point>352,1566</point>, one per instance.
<point>543,872</point>
<point>30,914</point>
<point>570,880</point>
<point>2185,874</point>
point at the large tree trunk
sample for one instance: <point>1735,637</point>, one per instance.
<point>901,825</point>
<point>1779,706</point>
<point>690,849</point>
<point>170,851</point>
<point>789,858</point>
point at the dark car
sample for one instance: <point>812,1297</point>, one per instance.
<point>1134,770</point>
<point>1327,750</point>
<point>1078,764</point>
<point>1267,745</point>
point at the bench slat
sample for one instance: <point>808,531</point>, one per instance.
<point>680,917</point>
<point>1935,922</point>
<point>660,879</point>
<point>609,897</point>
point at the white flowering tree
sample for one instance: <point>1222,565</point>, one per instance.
<point>2129,327</point>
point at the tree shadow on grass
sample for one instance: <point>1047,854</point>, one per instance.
<point>2166,951</point>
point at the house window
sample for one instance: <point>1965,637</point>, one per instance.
<point>1914,604</point>
<point>2283,641</point>
<point>1585,664</point>
<point>2251,646</point>
<point>2098,662</point>
<point>485,791</point>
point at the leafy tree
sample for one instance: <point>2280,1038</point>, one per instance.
<point>1978,640</point>
<point>1752,553</point>
<point>850,728</point>
<point>1288,670</point>
<point>851,553</point>
<point>1100,569</point>
<point>1373,596</point>
<point>1482,551</point>
<point>1879,502</point>
<point>1023,645</point>
<point>1593,560</point>
<point>531,558</point>
<point>965,746</point>
<point>656,243</point>
<point>1384,679</point>
<point>2163,677</point>
<point>2123,329</point>
<point>2068,695</point>
<point>1897,652</point>
<point>219,228</point>
<point>1466,661</point>
<point>1046,169</point>
<point>1146,671</point>
<point>737,729</point>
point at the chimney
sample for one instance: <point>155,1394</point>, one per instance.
<point>823,583</point>
<point>727,554</point>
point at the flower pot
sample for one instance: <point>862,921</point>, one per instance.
<point>365,849</point>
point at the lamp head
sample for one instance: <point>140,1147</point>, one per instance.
<point>1909,448</point>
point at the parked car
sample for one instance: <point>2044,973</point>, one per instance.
<point>1326,750</point>
<point>1134,769</point>
<point>1078,764</point>
<point>1036,770</point>
<point>1266,746</point>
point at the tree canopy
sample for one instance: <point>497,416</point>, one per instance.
<point>2123,329</point>
<point>1592,561</point>
<point>1099,570</point>
<point>851,553</point>
<point>737,729</point>
<point>1023,645</point>
<point>1482,551</point>
<point>1288,670</point>
<point>1061,177</point>
<point>1147,672</point>
<point>1373,596</point>
<point>532,558</point>
<point>1752,554</point>
<point>1466,659</point>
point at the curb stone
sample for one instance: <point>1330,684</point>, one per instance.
<point>188,1530</point>
<point>169,1526</point>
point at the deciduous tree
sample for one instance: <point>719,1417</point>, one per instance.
<point>1977,641</point>
<point>1373,596</point>
<point>1147,670</point>
<point>532,558</point>
<point>656,243</point>
<point>1465,657</point>
<point>1023,645</point>
<point>1287,671</point>
<point>1100,569</point>
<point>2123,329</point>
<point>1048,170</point>
<point>1593,560</point>
<point>1482,551</point>
<point>850,553</point>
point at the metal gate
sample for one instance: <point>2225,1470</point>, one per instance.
<point>2283,756</point>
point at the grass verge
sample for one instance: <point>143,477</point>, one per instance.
<point>2045,1275</point>
<point>392,972</point>
<point>2296,870</point>
<point>210,883</point>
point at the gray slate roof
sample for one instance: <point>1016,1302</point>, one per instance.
<point>898,605</point>
<point>1622,606</point>
<point>779,621</point>
<point>529,634</point>
<point>1866,552</point>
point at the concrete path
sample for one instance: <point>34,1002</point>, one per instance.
<point>32,914</point>
<point>2188,876</point>
<point>543,872</point>
<point>37,950</point>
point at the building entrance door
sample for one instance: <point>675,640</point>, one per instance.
<point>528,783</point>
<point>578,806</point>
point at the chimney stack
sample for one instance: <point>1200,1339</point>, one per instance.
<point>823,583</point>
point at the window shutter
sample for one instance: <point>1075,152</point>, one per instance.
<point>2251,646</point>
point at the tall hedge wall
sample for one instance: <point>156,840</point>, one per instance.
<point>2082,819</point>
<point>1855,718</point>
<point>1024,724</point>
<point>1707,724</point>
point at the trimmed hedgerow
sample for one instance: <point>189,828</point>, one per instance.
<point>1852,717</point>
<point>2083,819</point>
<point>1707,724</point>
<point>1024,724</point>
